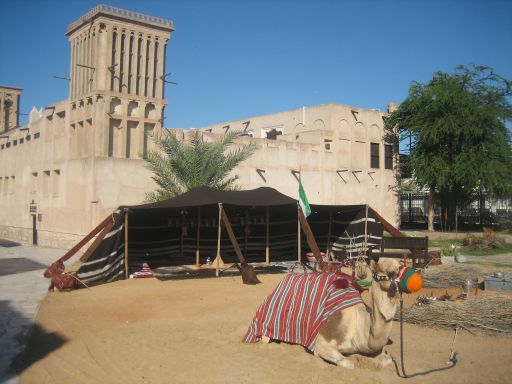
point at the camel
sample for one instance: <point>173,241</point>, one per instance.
<point>361,329</point>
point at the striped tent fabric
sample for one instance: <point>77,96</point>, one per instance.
<point>298,307</point>
<point>170,233</point>
<point>106,264</point>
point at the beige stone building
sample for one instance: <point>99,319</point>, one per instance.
<point>340,152</point>
<point>79,159</point>
<point>9,108</point>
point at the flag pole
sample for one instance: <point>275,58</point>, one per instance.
<point>298,234</point>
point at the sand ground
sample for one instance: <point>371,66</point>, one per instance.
<point>190,331</point>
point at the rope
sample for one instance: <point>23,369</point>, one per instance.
<point>451,363</point>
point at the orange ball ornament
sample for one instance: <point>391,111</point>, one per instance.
<point>410,280</point>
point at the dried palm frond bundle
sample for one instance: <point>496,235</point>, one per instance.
<point>451,275</point>
<point>488,240</point>
<point>486,314</point>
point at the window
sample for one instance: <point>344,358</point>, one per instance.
<point>374,155</point>
<point>388,156</point>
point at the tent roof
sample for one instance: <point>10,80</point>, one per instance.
<point>202,196</point>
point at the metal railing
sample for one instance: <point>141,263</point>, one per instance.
<point>483,210</point>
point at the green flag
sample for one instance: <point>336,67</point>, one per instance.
<point>303,200</point>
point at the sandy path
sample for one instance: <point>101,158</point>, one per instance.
<point>190,331</point>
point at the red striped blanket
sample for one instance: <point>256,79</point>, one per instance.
<point>298,307</point>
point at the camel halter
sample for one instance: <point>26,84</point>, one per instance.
<point>395,281</point>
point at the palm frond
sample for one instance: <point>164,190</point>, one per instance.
<point>181,165</point>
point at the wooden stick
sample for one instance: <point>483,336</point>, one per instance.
<point>309,235</point>
<point>96,242</point>
<point>387,226</point>
<point>181,232</point>
<point>246,231</point>
<point>232,237</point>
<point>329,233</point>
<point>198,234</point>
<point>126,244</point>
<point>217,259</point>
<point>77,279</point>
<point>85,240</point>
<point>267,238</point>
<point>365,244</point>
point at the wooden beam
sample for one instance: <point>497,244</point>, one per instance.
<point>388,227</point>
<point>198,235</point>
<point>267,238</point>
<point>310,238</point>
<point>126,244</point>
<point>96,242</point>
<point>329,233</point>
<point>86,239</point>
<point>246,231</point>
<point>218,260</point>
<point>232,237</point>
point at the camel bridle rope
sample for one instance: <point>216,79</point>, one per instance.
<point>450,363</point>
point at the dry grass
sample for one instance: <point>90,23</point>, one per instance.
<point>489,314</point>
<point>487,241</point>
<point>452,275</point>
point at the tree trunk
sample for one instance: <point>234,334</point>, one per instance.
<point>430,207</point>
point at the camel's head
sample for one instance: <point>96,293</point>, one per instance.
<point>385,271</point>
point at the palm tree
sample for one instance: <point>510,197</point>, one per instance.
<point>181,165</point>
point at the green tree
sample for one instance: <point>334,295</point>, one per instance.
<point>457,126</point>
<point>180,165</point>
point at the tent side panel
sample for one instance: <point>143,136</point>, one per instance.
<point>106,263</point>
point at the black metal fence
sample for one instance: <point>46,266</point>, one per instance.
<point>481,212</point>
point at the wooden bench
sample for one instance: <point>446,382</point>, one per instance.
<point>415,248</point>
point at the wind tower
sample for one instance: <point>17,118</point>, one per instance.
<point>9,108</point>
<point>117,77</point>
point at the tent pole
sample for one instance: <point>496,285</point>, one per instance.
<point>267,240</point>
<point>198,234</point>
<point>126,243</point>
<point>86,239</point>
<point>298,234</point>
<point>366,231</point>
<point>329,233</point>
<point>218,259</point>
<point>248,274</point>
<point>96,242</point>
<point>181,233</point>
<point>232,237</point>
<point>246,231</point>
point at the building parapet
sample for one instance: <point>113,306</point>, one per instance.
<point>115,11</point>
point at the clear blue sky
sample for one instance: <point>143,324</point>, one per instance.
<point>235,59</point>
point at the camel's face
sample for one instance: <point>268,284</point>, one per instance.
<point>389,270</point>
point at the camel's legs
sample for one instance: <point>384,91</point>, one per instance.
<point>330,353</point>
<point>383,360</point>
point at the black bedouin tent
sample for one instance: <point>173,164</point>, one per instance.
<point>185,231</point>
